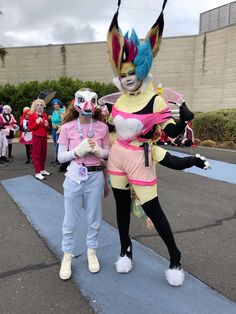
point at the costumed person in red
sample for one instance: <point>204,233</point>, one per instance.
<point>25,134</point>
<point>38,125</point>
<point>10,125</point>
<point>132,158</point>
<point>3,139</point>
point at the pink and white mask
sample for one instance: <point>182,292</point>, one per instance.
<point>86,102</point>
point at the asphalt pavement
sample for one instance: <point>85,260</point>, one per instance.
<point>201,211</point>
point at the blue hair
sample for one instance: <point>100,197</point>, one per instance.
<point>144,57</point>
<point>143,60</point>
<point>56,100</point>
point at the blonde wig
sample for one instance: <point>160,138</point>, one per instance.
<point>35,102</point>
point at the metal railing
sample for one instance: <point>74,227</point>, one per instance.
<point>217,18</point>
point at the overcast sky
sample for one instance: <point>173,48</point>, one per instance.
<point>43,22</point>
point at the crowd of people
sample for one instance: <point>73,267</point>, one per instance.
<point>33,130</point>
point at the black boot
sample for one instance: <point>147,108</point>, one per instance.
<point>4,159</point>
<point>63,167</point>
<point>128,252</point>
<point>9,151</point>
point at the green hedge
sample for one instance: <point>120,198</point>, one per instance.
<point>218,126</point>
<point>21,95</point>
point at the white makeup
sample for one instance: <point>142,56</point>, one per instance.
<point>128,78</point>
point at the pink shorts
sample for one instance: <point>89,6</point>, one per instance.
<point>127,160</point>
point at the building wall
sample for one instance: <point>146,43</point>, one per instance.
<point>201,67</point>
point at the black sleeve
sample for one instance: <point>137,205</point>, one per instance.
<point>173,130</point>
<point>185,116</point>
<point>177,163</point>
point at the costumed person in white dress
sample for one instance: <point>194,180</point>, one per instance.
<point>84,142</point>
<point>132,158</point>
<point>186,138</point>
<point>10,125</point>
<point>3,139</point>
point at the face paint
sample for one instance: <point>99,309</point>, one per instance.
<point>128,78</point>
<point>85,103</point>
<point>39,107</point>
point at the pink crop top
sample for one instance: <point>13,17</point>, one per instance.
<point>145,121</point>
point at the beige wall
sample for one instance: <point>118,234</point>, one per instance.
<point>201,67</point>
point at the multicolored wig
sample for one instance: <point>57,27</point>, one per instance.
<point>129,49</point>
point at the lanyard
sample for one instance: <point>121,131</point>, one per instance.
<point>90,133</point>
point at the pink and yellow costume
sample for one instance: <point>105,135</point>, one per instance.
<point>132,158</point>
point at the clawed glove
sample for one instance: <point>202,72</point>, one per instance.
<point>201,162</point>
<point>83,148</point>
<point>184,113</point>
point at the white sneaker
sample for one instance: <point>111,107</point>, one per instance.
<point>65,271</point>
<point>39,176</point>
<point>93,263</point>
<point>44,172</point>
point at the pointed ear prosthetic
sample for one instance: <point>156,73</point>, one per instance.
<point>124,49</point>
<point>155,33</point>
<point>115,44</point>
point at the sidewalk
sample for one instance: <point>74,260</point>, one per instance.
<point>29,271</point>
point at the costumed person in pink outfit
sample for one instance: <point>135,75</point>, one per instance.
<point>10,125</point>
<point>26,135</point>
<point>84,142</point>
<point>38,125</point>
<point>132,158</point>
<point>3,139</point>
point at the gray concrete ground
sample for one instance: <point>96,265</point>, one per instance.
<point>201,212</point>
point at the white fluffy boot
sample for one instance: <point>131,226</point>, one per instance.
<point>175,276</point>
<point>124,263</point>
<point>65,271</point>
<point>93,263</point>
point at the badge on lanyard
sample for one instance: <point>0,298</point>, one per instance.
<point>82,173</point>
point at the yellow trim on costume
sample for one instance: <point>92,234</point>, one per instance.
<point>112,137</point>
<point>130,103</point>
<point>158,153</point>
<point>119,182</point>
<point>145,193</point>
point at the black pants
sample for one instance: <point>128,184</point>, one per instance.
<point>27,150</point>
<point>154,211</point>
